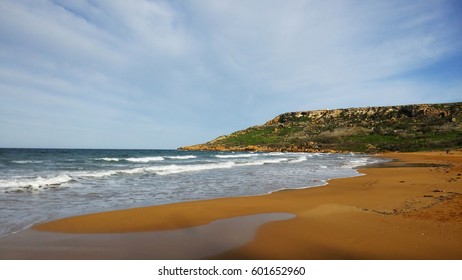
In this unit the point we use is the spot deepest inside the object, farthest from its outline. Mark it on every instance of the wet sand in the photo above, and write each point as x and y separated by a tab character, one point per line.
197	242
410	211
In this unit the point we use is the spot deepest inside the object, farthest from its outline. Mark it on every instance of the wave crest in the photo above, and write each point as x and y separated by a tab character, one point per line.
182	157
133	159
237	156
35	184
144	159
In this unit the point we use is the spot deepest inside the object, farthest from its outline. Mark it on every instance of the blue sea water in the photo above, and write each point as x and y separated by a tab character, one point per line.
42	184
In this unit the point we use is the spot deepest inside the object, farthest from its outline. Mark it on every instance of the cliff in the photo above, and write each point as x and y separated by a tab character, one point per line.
369	129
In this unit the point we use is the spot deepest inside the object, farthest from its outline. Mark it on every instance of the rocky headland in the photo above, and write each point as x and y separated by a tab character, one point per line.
366	130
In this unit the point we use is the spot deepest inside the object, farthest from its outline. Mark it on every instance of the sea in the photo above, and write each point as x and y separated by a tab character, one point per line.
38	185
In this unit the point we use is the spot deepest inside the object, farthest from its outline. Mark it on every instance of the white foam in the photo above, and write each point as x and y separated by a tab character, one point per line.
173	169
133	159
264	161
158	170
362	161
275	154
96	174
181	157
356	162
300	159
108	159
34	184
237	156
144	159
27	161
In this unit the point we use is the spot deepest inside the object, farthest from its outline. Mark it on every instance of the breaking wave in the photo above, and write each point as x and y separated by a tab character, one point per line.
133	159
237	156
144	159
27	161
182	157
33	184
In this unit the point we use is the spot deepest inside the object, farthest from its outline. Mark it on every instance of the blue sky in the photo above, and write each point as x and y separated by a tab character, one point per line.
163	74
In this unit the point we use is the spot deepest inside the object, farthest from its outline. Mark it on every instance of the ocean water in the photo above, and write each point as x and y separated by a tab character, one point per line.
43	184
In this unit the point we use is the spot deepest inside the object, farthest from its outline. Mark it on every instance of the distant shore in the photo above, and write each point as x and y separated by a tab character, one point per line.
405	128
410	208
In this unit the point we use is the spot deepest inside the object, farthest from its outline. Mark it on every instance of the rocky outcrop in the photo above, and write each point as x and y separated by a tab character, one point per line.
369	129
370	115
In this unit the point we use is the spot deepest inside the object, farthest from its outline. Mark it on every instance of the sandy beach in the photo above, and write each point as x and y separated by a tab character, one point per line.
410	208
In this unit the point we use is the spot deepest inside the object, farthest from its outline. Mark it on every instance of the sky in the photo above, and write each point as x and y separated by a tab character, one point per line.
164	74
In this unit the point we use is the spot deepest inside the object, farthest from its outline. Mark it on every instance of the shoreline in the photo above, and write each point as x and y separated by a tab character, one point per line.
404	212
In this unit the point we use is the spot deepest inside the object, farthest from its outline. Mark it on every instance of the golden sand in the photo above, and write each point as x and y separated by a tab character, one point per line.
407	209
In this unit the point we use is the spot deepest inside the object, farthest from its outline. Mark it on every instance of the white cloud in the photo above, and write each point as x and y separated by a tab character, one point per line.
324	43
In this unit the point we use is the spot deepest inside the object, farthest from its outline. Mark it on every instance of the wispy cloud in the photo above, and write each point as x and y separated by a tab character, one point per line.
174	73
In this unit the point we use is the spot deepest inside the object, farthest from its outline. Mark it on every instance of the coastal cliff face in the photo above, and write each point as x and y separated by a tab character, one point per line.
369	129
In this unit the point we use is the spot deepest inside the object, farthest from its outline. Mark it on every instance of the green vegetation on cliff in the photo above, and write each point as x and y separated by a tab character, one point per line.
370	129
